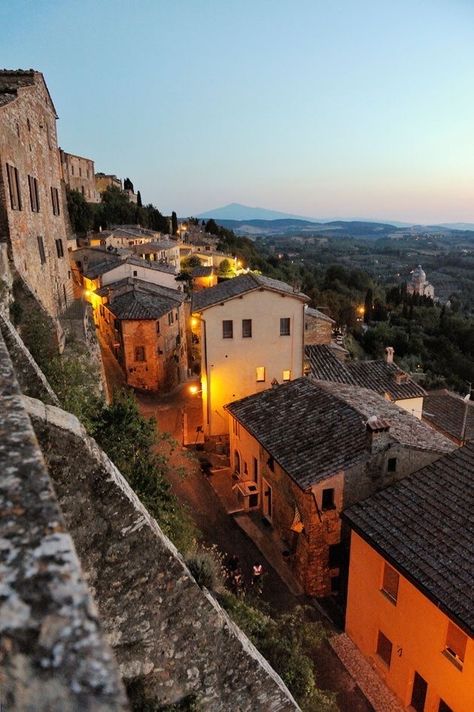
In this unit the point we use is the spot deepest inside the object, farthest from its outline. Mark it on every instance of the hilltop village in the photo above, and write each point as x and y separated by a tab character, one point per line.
352	481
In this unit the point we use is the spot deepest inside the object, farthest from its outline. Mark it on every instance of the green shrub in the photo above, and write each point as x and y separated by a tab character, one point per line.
207	568
287	641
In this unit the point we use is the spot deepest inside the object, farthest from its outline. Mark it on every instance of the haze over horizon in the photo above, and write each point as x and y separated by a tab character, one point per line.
311	108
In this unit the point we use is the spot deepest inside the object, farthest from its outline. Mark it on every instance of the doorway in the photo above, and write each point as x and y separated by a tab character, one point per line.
418	694
267	500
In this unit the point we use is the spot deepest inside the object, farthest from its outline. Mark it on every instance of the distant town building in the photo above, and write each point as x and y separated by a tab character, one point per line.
419	284
78	174
144	326
383	377
99	274
32	202
165	251
410	607
107	180
123	236
313	449
250	332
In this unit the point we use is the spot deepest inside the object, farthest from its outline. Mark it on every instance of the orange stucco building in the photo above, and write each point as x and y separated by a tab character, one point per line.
410	607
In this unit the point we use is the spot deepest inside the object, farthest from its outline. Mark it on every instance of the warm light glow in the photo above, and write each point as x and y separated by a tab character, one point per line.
194	390
194	322
87	293
361	310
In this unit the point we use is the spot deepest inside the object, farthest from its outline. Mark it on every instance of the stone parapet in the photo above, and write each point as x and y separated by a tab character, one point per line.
53	655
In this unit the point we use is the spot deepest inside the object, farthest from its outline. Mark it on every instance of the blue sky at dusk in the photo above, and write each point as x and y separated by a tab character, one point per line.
342	108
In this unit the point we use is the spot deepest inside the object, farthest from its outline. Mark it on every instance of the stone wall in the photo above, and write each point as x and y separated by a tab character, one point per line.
317	330
167	633
53	654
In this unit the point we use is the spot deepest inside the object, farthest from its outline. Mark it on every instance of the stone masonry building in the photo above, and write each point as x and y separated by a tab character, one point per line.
78	174
314	448
33	218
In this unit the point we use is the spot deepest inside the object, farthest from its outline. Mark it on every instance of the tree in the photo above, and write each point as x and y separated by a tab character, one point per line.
211	227
139	199
368	305
80	212
226	269
174	223
189	263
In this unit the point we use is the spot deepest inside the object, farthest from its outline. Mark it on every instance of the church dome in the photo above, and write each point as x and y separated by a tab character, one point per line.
418	274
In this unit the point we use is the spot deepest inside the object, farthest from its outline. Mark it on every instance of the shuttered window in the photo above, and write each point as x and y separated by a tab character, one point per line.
14	187
42	253
384	648
55	201
34	194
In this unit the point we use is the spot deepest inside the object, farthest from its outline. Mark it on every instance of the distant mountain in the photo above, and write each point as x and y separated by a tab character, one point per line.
290	226
236	211
458	226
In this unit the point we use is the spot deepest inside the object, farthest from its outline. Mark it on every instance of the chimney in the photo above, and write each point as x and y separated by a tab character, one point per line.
389	352
378	434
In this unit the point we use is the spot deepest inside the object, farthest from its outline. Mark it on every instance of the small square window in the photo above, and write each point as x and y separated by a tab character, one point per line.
392	464
139	353
260	373
285	326
246	328
227	329
390	582
328	499
287	375
384	648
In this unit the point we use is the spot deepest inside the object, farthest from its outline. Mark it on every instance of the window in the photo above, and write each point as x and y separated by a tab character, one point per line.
392	464
271	463
60	248
384	648
139	353
237	461
418	693
236	427
72	170
41	249
246	328
390	582
170	318
157	327
227	329
328	499
443	707
14	187
55	200
455	645
285	327
287	375
260	373
135	272
34	194
255	469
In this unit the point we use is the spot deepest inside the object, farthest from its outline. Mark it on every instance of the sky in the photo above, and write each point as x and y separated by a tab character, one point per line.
322	108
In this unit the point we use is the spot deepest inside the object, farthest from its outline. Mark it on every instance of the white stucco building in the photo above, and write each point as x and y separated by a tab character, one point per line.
251	333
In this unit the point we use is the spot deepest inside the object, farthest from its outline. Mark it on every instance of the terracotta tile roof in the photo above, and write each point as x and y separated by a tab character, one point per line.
316	314
202	272
446	411
242	284
424	526
379	376
131	300
100	268
155	246
313	431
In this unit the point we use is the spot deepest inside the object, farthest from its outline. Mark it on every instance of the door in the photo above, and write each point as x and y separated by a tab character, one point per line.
418	695
267	500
